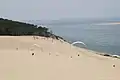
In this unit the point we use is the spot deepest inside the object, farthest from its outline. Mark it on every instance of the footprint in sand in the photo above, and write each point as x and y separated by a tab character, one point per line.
49	53
57	54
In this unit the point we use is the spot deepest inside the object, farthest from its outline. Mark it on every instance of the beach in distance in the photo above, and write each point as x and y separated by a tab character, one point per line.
41	58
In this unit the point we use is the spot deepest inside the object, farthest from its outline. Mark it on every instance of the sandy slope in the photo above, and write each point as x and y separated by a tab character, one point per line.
52	60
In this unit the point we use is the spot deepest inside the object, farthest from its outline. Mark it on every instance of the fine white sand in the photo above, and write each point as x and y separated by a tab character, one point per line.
26	58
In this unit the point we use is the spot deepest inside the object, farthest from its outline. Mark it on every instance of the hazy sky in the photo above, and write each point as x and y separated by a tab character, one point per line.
57	9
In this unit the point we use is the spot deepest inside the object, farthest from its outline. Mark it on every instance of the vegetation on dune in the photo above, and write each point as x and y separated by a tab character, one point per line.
15	28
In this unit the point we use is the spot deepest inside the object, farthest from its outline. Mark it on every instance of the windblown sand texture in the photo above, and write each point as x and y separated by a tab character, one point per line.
28	58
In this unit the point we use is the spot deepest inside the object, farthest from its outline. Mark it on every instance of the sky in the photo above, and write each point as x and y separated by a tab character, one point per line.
58	9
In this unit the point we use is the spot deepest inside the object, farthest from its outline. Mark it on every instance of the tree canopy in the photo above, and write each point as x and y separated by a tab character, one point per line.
16	28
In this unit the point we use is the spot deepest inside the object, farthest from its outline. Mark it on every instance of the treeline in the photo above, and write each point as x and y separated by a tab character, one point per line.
15	28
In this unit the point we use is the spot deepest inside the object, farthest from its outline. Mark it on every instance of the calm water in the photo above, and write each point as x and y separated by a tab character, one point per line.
102	38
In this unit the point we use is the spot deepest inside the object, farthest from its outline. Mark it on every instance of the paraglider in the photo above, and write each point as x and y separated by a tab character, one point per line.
78	42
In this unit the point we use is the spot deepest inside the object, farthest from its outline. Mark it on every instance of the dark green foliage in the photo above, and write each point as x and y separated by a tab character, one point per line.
15	28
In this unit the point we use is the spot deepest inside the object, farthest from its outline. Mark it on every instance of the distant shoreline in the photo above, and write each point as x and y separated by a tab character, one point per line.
109	23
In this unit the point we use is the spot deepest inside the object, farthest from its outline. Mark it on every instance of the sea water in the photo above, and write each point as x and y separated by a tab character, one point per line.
102	38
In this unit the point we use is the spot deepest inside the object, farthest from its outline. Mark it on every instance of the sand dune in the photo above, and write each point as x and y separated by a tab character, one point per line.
26	58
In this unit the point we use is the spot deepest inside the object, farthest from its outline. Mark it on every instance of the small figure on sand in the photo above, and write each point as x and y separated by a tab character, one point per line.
113	65
34	37
33	54
16	48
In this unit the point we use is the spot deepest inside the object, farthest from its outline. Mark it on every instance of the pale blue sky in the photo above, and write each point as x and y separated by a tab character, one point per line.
58	9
